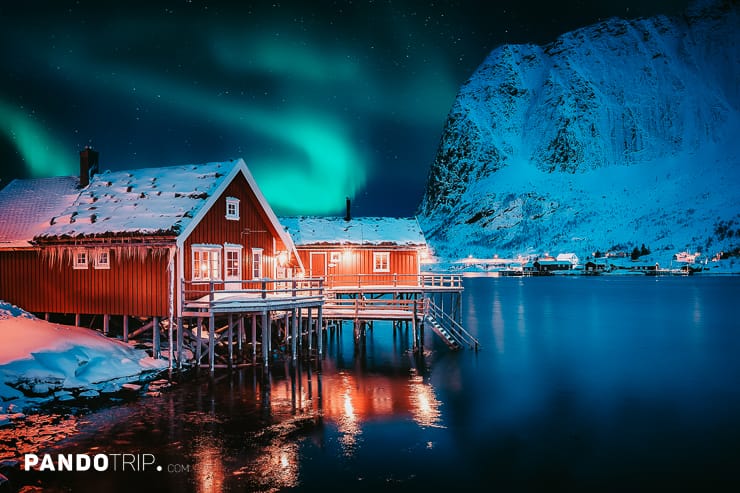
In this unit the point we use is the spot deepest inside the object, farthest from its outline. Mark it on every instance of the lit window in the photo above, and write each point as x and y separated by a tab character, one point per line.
102	259
335	257
206	263
79	261
232	208
381	262
233	263
256	263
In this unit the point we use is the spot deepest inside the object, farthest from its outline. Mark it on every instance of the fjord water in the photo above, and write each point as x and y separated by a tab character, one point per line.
582	384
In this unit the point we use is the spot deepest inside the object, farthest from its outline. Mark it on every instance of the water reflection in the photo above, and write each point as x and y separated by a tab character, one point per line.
209	467
424	404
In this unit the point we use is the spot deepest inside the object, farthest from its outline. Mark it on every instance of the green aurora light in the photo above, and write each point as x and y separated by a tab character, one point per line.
43	155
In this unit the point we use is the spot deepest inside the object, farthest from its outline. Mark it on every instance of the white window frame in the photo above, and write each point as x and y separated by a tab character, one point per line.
213	273
237	249
232	202
77	255
257	271
335	257
378	257
98	262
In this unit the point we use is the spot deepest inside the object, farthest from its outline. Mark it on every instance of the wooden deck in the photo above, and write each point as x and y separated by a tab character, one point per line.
374	309
268	295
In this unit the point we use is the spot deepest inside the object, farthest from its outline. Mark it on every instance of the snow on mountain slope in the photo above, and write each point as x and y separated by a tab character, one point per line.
624	132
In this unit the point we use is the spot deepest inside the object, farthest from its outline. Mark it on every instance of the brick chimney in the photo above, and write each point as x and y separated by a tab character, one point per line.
348	216
88	165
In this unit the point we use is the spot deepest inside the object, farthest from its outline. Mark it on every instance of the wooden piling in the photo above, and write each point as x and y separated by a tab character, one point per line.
198	334
294	338
320	331
156	349
265	338
254	338
211	342
106	324
179	342
230	341
125	328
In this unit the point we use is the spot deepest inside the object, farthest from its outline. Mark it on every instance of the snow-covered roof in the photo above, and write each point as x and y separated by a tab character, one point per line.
145	201
27	206
357	231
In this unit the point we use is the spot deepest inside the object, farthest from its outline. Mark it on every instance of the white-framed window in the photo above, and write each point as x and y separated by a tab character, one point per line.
232	208
381	261
206	263
79	259
335	257
102	259
256	263
232	262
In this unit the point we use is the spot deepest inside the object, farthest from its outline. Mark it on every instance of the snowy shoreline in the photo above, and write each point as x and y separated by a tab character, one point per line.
42	362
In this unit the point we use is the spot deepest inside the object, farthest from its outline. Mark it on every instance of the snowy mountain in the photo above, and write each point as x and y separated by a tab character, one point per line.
621	133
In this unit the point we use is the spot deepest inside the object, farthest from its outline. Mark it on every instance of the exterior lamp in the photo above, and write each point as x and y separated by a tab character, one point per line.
283	258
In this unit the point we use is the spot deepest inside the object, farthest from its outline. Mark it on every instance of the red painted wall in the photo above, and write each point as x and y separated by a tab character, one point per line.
129	287
404	262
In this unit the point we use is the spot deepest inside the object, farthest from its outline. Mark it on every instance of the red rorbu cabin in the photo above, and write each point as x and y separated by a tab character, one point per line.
364	251
129	242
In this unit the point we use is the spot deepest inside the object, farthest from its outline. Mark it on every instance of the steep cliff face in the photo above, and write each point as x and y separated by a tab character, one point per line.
627	131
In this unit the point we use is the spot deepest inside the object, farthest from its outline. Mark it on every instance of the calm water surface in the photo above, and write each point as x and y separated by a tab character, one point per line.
583	384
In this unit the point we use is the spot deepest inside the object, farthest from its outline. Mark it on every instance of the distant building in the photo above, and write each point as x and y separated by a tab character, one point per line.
568	257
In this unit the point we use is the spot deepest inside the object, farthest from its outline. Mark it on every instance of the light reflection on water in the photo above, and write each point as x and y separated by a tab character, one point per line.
582	384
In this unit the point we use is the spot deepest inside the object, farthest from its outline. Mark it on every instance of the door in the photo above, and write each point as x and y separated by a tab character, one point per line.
318	264
233	266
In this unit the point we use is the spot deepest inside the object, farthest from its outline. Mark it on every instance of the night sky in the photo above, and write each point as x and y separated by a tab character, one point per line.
322	99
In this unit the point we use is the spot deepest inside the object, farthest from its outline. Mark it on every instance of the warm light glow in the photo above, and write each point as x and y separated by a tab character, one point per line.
348	424
209	467
424	404
283	258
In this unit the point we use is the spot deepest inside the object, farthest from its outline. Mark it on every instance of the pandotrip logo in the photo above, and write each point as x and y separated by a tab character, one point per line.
99	463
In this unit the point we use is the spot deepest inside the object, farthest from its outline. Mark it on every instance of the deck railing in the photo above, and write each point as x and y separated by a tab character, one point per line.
361	307
430	280
219	293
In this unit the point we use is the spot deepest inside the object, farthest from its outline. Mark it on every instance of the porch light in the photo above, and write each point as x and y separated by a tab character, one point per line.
283	258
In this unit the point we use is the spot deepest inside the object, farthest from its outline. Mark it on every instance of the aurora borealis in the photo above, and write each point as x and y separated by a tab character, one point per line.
322	99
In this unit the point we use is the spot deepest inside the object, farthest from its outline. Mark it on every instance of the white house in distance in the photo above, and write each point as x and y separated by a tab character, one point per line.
568	257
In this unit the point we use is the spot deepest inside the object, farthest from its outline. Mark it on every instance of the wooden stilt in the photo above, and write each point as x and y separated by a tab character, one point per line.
265	339
254	338
125	328
308	323
230	336
156	350
106	323
287	329
211	342
320	331
294	339
198	335
46	316
179	342
77	319
240	335
300	329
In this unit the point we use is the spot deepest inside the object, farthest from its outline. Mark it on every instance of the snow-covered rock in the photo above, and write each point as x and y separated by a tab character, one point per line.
38	358
623	132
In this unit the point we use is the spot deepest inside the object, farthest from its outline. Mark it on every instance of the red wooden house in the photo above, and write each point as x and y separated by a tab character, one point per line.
362	251
126	242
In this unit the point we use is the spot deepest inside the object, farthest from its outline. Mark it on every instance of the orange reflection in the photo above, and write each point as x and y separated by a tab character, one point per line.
209	467
425	406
